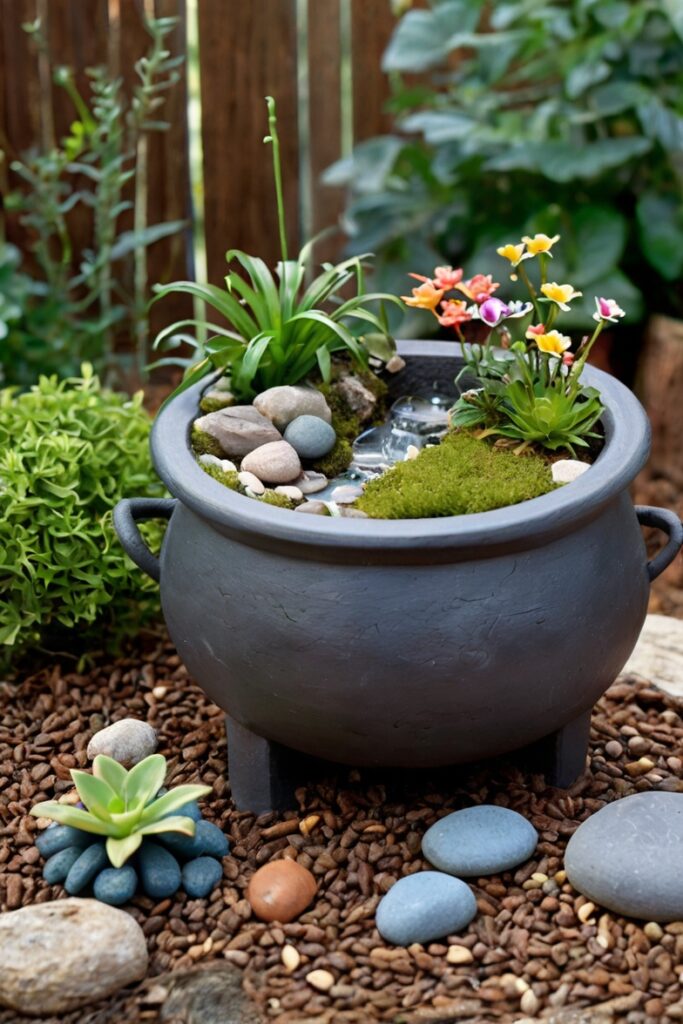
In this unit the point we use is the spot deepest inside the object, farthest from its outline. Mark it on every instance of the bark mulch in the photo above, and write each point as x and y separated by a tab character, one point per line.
538	949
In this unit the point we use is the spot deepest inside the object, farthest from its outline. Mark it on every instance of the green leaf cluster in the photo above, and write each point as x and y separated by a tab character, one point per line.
85	296
525	113
459	476
123	805
68	451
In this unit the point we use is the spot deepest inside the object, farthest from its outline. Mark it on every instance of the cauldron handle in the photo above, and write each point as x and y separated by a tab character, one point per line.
127	514
669	522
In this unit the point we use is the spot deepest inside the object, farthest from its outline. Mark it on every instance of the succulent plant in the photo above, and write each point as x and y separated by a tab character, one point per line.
123	805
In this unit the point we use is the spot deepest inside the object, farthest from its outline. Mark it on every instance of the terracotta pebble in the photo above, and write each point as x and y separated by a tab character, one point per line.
281	890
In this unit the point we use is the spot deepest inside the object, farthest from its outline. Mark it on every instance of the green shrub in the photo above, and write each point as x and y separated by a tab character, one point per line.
460	475
68	451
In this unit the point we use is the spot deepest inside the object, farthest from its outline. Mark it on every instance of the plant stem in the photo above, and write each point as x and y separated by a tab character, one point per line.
277	174
532	291
585	351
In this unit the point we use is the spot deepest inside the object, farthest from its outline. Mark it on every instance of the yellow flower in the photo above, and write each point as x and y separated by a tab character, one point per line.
513	253
539	243
560	293
553	342
426	296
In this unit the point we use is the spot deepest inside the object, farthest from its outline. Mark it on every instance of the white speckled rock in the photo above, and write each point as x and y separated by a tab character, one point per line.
251	481
65	954
127	741
628	856
284	403
289	491
566	470
480	840
274	463
239	429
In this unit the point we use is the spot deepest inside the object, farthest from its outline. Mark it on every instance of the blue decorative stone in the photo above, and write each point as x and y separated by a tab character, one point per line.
425	907
190	810
58	837
159	870
482	840
57	867
310	437
207	839
91	861
201	875
116	886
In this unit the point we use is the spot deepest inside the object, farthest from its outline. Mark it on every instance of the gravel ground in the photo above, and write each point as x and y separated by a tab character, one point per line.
535	950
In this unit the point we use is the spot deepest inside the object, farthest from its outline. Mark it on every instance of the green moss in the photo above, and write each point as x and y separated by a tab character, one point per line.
204	444
336	461
344	420
211	403
279	500
373	383
228	479
460	475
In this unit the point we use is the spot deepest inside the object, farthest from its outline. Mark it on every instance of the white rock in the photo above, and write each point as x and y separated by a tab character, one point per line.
212	460
412	452
566	470
251	481
284	403
127	741
313	508
346	493
290	491
311	482
658	656
275	463
395	364
65	954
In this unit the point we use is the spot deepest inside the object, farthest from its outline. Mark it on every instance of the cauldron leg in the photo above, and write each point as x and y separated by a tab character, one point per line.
260	772
561	756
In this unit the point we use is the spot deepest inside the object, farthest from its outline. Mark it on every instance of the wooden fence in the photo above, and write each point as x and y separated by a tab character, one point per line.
247	50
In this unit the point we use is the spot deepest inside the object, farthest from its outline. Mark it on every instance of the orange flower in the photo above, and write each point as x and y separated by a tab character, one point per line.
454	313
425	296
534	331
479	288
447	277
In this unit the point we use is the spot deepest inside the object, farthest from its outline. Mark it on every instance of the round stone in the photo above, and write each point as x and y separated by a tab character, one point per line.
284	403
207	839
59	837
65	954
425	907
564	471
481	840
627	856
159	870
310	437
274	463
57	867
200	876
313	508
281	890
116	886
91	861
128	741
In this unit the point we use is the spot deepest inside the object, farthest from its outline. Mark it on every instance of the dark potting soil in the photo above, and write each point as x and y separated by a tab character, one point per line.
535	949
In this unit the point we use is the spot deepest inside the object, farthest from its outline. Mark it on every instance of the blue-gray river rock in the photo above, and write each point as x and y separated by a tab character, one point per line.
481	840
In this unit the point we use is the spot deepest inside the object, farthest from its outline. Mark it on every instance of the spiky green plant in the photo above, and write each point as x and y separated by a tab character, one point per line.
123	805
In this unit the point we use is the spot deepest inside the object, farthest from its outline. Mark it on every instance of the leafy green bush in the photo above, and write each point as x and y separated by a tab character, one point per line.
531	117
68	451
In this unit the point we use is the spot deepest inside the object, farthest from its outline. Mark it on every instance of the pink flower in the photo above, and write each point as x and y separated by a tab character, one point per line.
568	358
454	313
447	277
607	309
493	310
479	288
534	331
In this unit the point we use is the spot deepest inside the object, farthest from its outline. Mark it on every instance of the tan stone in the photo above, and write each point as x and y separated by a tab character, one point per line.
658	656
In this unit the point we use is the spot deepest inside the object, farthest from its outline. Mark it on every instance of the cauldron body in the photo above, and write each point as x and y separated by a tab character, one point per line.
414	642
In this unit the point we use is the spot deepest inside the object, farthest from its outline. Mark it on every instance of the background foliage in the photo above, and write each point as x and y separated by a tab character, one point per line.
68	451
527	116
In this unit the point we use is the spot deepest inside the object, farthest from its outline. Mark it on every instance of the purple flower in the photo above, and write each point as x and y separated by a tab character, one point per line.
493	310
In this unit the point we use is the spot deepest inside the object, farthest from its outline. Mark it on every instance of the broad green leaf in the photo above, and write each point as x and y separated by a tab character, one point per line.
65	814
174	800
129	241
111	772
600	237
96	794
674	11
119	850
144	781
368	167
583	76
564	161
660	226
422	38
178	823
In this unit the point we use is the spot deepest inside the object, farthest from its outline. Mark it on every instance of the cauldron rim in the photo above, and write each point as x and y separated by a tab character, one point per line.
626	449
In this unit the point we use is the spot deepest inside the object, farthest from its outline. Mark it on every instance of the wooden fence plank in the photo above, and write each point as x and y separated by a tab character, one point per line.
77	37
371	27
247	53
324	75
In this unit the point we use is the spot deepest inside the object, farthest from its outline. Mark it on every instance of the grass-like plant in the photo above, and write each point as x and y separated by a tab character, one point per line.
280	327
123	805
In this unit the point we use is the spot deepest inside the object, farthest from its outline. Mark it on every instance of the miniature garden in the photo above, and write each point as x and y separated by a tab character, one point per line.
336	685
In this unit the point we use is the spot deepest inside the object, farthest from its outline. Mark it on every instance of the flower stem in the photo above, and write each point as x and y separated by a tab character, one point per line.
277	174
532	291
584	351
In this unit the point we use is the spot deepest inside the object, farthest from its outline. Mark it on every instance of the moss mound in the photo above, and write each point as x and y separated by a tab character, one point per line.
336	461
228	479
460	475
205	444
